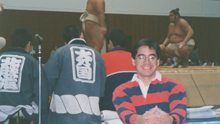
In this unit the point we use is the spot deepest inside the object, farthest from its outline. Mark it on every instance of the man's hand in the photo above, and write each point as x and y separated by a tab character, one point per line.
162	47
181	45
1	7
103	30
153	117
149	117
166	118
140	119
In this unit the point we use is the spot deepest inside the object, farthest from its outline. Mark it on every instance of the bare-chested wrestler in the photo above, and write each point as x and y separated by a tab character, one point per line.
178	42
1	7
93	24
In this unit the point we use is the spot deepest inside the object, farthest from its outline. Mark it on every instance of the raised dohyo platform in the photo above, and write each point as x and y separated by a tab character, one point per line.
202	83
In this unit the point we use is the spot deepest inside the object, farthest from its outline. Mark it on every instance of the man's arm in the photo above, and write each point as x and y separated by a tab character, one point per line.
1	7
188	29
178	103
100	9
167	39
177	106
123	106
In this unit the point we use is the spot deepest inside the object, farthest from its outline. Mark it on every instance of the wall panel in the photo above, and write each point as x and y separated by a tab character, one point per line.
49	25
193	8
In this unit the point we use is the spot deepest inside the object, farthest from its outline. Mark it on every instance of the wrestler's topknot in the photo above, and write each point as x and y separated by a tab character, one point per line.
175	11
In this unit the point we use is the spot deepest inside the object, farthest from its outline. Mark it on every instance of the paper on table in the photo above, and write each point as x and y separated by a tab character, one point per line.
200	109
200	115
109	115
201	112
114	121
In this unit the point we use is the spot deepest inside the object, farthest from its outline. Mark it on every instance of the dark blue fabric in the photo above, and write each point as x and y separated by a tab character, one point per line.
15	49
112	82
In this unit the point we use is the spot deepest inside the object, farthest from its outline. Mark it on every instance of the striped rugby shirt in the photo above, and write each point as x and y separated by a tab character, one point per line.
168	94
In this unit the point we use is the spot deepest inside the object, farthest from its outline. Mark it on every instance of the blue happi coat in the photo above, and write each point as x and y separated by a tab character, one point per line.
76	75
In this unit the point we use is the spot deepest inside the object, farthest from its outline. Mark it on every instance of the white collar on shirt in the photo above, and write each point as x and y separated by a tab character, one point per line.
144	88
76	39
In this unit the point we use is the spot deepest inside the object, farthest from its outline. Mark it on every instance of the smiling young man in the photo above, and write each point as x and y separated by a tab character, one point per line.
149	97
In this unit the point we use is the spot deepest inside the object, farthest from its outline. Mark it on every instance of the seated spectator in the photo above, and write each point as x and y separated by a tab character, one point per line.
161	63
118	66
168	62
19	82
210	62
195	57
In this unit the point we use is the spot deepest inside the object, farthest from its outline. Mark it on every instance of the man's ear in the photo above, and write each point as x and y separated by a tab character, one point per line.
111	44
158	62
133	62
29	43
82	36
28	47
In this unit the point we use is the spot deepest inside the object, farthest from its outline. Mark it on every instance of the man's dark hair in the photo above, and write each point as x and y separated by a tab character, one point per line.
20	37
118	38
70	32
175	11
209	60
146	42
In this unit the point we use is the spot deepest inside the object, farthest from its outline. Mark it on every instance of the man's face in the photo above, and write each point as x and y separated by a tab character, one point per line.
172	17
169	60
146	62
209	63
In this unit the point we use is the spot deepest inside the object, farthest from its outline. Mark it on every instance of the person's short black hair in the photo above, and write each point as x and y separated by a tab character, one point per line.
20	37
195	48
118	38
55	46
146	42
70	32
175	11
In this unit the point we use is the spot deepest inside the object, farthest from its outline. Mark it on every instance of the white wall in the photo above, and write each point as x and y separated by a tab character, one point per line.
196	8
